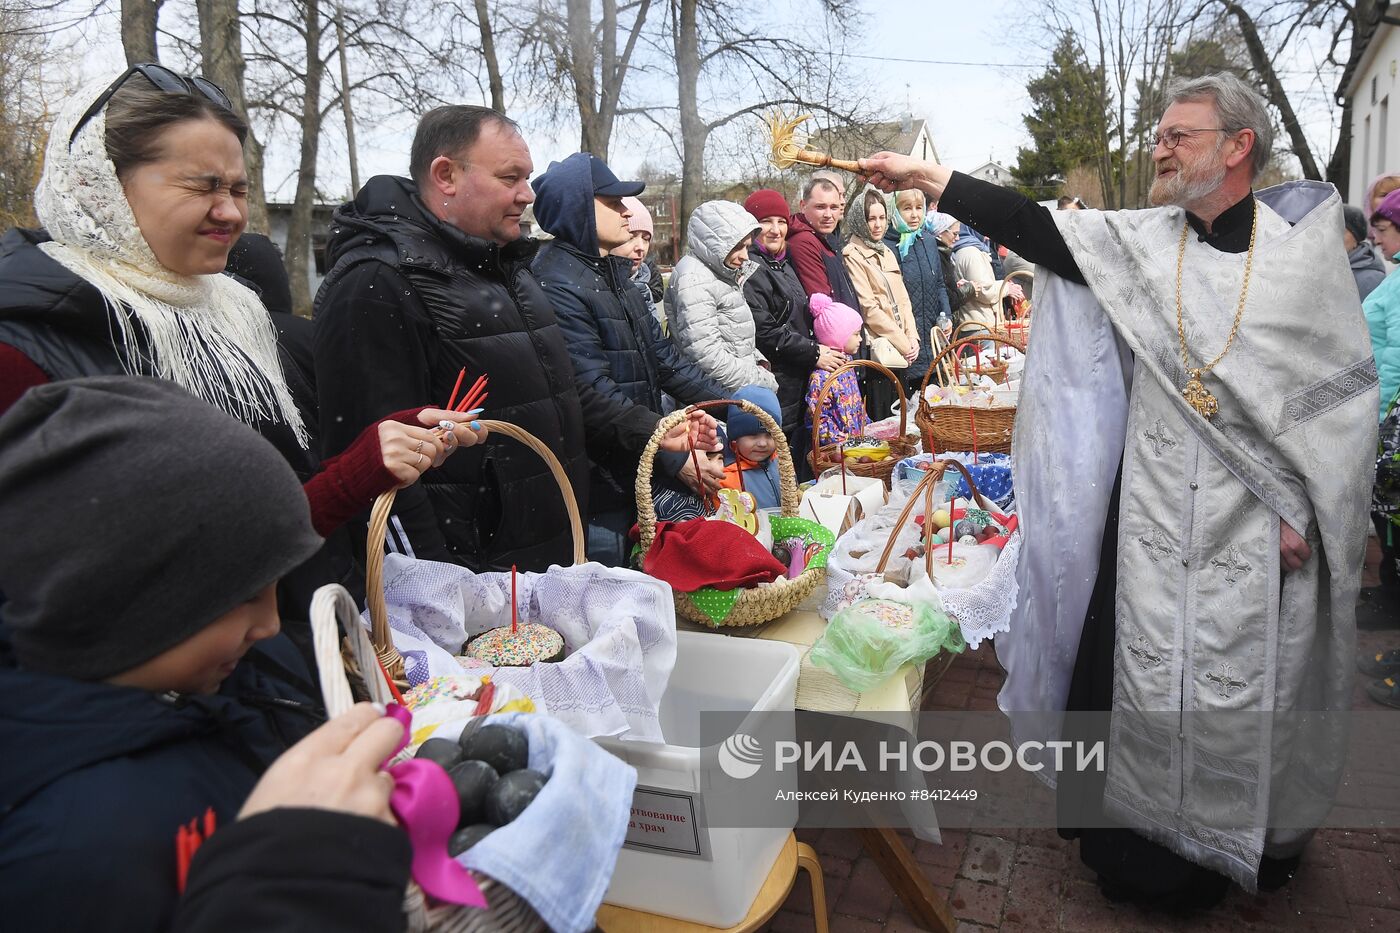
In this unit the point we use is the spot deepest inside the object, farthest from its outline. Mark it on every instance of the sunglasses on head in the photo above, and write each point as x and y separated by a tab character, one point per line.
171	82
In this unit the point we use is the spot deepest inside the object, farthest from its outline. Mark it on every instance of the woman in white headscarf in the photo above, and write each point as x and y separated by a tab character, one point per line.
143	194
946	229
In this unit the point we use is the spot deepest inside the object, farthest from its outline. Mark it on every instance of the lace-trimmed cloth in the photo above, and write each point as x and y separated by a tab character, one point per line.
206	333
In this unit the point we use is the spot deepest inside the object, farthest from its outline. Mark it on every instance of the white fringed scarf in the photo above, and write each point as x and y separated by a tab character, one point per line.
206	333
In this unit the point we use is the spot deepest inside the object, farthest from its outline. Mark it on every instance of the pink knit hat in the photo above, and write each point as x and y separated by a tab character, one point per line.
833	322
640	221
1388	209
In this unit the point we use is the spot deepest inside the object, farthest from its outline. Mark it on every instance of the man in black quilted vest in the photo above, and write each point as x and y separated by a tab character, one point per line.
430	274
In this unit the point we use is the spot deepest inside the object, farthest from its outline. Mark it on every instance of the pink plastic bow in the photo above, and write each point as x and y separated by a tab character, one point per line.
425	803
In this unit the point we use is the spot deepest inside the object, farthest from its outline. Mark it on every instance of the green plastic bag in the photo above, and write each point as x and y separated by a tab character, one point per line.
867	642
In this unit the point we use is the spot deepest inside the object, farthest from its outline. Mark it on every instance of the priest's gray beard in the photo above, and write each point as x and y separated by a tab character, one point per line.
1191	183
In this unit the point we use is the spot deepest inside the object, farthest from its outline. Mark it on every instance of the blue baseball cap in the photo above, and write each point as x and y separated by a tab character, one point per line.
607	184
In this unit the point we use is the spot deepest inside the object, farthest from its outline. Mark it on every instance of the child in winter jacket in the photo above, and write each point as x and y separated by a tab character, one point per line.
750	461
145	687
843	415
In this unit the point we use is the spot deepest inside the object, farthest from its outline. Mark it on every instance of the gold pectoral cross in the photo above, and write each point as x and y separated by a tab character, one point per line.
1199	397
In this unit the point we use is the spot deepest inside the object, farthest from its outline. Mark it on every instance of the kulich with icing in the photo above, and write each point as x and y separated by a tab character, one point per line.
531	642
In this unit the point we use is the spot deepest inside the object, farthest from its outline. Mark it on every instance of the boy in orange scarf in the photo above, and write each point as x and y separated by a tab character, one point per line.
750	463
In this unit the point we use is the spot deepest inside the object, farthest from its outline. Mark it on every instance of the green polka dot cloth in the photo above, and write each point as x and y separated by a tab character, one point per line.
815	538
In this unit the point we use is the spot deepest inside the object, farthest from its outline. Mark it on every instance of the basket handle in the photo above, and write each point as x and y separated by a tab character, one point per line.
379	523
926	486
646	505
953	348
938	342
827	385
1001	295
334	610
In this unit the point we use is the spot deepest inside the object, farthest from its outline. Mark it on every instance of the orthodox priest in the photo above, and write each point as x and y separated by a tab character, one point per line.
1194	451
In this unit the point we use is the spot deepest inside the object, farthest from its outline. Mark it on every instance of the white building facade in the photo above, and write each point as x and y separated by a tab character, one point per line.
1375	131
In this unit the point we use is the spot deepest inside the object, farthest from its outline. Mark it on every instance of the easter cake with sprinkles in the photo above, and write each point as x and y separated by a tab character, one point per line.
528	643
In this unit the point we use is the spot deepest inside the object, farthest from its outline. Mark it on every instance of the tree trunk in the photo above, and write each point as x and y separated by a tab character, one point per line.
139	19
1264	66
580	32
299	226
221	42
345	101
694	132
1339	166
488	52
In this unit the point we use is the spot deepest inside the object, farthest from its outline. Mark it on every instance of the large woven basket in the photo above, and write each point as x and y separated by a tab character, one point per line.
826	456
755	605
378	525
959	427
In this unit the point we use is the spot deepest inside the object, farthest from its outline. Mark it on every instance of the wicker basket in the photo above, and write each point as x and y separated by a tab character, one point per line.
379	522
333	612
756	605
972	331
1016	330
938	665
826	456
925	487
959	427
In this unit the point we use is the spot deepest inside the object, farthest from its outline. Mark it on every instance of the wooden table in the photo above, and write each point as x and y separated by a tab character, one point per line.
770	898
819	690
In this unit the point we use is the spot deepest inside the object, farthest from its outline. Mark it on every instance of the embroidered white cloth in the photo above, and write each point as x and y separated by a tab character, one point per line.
619	629
981	610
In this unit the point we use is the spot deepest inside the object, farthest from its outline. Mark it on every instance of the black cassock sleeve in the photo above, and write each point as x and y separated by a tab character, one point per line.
1011	219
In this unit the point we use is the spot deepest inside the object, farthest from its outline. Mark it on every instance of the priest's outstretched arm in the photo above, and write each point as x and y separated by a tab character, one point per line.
1007	216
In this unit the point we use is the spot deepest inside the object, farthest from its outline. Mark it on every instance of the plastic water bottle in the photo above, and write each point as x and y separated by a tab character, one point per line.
945	323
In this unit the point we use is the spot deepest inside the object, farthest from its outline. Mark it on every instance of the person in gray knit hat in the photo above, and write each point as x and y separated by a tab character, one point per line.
1366	265
133	517
142	534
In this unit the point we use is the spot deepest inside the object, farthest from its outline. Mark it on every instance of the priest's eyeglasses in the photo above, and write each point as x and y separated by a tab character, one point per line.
1172	138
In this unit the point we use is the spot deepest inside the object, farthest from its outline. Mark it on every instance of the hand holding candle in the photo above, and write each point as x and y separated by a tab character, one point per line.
699	431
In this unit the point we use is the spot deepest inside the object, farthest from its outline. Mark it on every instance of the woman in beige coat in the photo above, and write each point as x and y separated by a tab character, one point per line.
884	302
974	264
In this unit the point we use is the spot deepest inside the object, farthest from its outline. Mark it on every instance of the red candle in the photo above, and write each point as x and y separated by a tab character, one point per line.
952	509
972	416
512	599
843	474
453	399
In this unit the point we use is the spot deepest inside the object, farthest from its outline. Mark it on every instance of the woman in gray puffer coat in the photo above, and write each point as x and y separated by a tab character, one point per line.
710	321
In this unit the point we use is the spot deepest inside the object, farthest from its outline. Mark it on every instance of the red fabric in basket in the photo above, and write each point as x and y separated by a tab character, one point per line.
698	553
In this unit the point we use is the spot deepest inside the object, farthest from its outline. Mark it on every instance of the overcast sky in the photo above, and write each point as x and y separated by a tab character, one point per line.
962	66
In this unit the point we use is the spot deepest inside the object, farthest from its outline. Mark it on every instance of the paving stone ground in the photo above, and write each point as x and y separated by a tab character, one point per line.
1031	880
